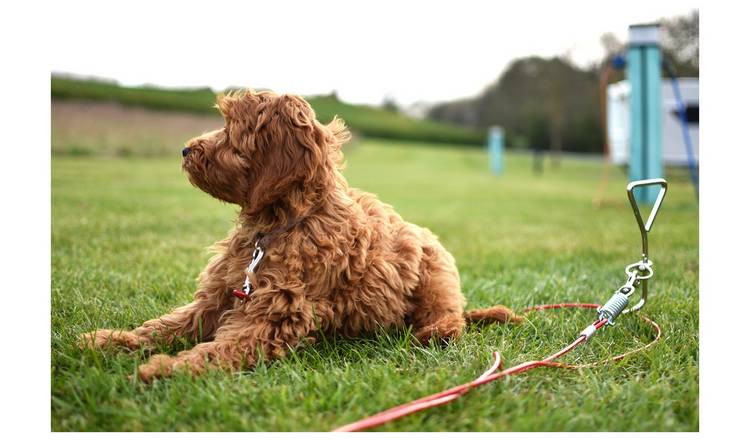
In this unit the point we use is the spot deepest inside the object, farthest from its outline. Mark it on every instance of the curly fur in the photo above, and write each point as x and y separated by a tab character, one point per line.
350	264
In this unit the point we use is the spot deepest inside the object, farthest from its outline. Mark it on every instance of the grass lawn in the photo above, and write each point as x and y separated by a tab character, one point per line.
129	238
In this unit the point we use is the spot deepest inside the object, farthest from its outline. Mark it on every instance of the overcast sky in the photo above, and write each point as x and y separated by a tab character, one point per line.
409	50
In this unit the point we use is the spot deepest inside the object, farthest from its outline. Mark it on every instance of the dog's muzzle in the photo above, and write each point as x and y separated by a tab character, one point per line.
185	151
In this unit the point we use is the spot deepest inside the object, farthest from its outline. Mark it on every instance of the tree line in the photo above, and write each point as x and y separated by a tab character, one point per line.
550	103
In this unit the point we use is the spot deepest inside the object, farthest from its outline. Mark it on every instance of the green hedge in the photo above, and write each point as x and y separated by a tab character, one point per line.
364	120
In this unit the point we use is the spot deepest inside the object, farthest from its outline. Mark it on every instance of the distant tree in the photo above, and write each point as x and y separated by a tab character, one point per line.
535	100
611	44
552	103
389	104
462	112
680	43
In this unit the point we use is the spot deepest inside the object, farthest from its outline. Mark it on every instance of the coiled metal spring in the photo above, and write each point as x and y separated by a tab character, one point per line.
612	309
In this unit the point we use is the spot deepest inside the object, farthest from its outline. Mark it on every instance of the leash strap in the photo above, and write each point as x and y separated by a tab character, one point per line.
492	374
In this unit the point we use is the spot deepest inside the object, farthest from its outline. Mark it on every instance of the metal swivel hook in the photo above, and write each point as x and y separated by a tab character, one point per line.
639	272
646	265
645	228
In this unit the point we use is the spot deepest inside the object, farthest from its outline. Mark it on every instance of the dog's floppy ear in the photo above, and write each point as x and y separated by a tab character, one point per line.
240	110
296	164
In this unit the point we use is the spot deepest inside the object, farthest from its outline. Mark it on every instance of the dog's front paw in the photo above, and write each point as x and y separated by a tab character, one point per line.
162	365
193	362
158	365
111	338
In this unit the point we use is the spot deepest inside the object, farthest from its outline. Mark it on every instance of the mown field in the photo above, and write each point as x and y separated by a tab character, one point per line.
129	238
86	128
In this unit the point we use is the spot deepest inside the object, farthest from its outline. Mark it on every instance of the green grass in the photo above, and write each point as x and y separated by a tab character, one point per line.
129	238
365	120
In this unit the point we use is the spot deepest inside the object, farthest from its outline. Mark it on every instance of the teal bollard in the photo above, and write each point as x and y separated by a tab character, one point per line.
644	75
495	145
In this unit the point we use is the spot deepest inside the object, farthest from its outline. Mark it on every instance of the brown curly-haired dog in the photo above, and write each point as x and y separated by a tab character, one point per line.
337	260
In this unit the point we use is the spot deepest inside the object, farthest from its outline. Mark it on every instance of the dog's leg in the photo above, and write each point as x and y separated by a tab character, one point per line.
267	328
112	338
438	311
197	320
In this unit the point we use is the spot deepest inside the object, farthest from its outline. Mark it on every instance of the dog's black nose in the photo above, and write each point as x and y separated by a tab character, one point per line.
185	151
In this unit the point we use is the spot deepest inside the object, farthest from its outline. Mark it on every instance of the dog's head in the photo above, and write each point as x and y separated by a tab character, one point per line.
271	150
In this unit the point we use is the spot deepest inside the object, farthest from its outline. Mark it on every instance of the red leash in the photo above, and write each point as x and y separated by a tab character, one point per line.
491	374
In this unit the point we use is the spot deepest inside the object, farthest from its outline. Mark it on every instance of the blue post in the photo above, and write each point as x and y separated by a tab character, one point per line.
495	145
644	75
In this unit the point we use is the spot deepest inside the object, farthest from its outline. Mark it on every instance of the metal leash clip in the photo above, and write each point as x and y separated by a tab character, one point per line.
639	272
247	287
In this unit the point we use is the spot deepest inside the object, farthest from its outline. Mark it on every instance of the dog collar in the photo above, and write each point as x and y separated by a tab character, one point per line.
262	242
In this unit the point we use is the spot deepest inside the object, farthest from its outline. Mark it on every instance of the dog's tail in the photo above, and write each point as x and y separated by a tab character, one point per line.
494	314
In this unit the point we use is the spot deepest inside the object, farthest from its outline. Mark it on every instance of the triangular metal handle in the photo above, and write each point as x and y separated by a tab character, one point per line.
646	227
